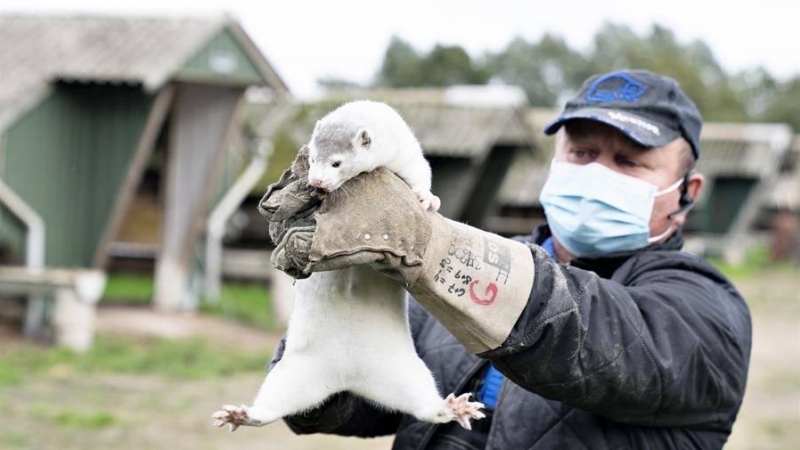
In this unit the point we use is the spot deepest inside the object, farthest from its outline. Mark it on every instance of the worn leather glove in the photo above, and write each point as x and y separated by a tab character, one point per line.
289	206
474	282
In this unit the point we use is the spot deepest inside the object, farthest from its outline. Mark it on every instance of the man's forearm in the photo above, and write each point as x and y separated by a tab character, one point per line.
634	354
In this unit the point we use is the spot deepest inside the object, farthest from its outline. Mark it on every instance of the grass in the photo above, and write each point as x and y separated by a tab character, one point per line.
756	263
75	409
129	289
15	440
92	421
763	282
248	303
778	428
53	398
174	358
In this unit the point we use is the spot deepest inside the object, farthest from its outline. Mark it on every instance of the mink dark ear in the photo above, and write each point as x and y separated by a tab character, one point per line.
363	139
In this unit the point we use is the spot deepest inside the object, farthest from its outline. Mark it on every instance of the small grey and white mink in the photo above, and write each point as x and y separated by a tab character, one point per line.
349	329
361	136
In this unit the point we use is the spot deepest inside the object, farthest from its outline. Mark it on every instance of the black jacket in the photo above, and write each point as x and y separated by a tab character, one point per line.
645	350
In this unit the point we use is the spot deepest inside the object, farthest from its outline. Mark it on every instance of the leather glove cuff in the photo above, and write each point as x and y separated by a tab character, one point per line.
474	282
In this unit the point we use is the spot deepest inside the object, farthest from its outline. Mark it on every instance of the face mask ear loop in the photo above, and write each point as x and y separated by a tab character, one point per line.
660	236
687	202
671	188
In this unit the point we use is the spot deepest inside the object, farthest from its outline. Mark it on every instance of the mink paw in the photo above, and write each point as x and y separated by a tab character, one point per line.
428	200
234	417
462	410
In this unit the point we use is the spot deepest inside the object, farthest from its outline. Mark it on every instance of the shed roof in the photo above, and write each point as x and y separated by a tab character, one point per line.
444	126
36	50
786	193
796	143
527	174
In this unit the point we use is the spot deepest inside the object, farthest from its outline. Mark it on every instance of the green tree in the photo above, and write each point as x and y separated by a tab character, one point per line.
693	65
785	106
338	84
402	66
546	70
550	71
758	89
443	66
769	99
449	65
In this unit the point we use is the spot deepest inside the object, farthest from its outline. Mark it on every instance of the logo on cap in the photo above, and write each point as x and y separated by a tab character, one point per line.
635	121
615	86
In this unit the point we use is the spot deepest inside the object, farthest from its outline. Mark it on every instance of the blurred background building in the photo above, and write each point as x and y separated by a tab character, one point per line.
134	150
142	145
117	135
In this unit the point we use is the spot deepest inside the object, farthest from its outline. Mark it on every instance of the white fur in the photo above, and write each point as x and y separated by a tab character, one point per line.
393	146
349	332
349	328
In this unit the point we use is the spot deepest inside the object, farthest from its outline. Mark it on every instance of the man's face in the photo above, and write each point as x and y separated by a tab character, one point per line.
586	141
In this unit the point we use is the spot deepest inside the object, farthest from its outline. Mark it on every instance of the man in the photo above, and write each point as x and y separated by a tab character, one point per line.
594	332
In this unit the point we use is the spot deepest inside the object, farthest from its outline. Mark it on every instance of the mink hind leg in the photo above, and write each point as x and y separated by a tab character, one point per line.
294	385
404	384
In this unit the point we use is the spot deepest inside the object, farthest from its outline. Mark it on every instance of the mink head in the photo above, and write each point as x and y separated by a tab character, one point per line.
337	152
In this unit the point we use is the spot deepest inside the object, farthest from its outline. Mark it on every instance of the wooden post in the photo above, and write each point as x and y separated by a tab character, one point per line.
202	118
73	320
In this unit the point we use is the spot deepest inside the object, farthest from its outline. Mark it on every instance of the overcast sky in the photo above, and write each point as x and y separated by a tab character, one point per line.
306	40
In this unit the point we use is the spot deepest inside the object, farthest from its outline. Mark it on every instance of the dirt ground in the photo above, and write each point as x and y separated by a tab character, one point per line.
153	412
770	416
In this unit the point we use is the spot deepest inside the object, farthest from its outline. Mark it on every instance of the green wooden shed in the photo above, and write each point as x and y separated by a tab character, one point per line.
87	103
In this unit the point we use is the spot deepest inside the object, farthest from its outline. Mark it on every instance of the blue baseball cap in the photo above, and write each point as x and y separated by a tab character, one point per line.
648	108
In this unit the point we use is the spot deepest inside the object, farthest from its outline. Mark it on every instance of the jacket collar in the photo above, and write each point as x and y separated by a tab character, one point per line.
606	265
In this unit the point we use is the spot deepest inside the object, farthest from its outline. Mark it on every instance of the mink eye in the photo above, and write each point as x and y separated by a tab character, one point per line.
336	164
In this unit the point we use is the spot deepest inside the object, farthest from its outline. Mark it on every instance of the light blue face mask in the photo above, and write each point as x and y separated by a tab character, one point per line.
594	211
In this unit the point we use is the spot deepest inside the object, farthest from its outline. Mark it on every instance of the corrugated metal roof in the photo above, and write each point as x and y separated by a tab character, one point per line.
786	193
787	188
456	131
36	50
443	129
528	172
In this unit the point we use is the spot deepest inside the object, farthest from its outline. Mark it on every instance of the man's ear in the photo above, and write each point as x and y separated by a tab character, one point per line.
696	183
694	187
362	139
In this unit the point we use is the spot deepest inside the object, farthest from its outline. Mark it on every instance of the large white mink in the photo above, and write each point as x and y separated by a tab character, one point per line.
361	136
349	328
